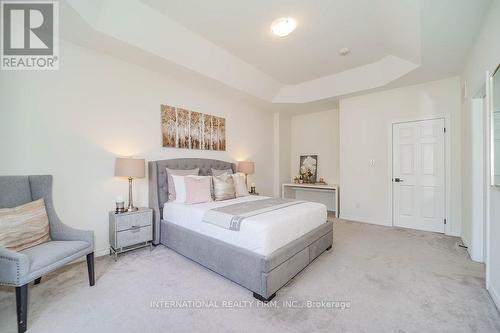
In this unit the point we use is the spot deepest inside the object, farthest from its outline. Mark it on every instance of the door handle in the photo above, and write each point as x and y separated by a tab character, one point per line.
398	180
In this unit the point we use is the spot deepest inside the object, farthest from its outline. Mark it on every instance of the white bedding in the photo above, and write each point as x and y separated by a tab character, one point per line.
262	234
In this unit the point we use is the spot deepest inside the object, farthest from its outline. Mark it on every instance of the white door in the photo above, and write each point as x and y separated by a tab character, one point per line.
419	175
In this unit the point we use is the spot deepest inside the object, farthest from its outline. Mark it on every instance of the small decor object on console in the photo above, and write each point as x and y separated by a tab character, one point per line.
308	168
252	189
321	181
120	205
131	168
186	129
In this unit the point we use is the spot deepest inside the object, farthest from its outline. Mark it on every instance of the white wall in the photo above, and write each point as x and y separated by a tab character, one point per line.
316	133
365	123
473	175
485	56
72	123
282	137
467	164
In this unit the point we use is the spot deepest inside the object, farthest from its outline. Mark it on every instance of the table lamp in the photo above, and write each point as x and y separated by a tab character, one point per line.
131	168
247	168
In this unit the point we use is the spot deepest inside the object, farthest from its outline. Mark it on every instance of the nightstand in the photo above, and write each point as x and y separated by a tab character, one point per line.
129	231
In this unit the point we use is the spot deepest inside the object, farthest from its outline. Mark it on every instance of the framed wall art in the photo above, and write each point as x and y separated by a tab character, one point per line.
187	129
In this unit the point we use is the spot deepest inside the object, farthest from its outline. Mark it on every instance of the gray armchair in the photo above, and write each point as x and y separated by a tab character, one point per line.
18	269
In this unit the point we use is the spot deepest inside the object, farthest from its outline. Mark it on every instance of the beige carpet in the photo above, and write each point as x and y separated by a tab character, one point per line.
393	280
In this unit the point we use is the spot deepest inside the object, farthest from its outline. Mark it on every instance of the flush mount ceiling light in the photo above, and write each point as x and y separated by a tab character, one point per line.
283	26
344	51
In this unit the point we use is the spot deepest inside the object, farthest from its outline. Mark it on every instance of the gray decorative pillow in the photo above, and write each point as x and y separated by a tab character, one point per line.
217	172
170	180
224	187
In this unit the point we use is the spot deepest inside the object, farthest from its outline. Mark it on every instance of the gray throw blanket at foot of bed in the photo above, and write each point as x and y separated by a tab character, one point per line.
231	216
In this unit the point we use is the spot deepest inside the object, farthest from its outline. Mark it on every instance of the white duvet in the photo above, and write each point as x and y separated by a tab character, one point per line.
262	234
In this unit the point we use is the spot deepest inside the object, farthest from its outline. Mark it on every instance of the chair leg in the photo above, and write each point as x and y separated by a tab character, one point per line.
37	281
22	308
90	267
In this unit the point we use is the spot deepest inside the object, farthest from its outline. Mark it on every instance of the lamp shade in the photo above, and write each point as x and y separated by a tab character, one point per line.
246	167
130	167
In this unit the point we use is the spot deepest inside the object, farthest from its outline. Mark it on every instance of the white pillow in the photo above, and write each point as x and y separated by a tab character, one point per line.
180	188
240	186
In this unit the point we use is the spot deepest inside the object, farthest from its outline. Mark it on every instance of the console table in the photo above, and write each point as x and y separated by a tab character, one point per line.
325	194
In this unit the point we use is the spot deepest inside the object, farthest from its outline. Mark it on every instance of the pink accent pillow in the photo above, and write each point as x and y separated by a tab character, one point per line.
198	189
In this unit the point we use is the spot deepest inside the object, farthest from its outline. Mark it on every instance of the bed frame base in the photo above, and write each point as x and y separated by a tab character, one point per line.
263	299
263	275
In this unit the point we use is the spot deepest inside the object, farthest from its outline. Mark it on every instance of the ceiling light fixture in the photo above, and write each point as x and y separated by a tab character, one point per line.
283	26
344	51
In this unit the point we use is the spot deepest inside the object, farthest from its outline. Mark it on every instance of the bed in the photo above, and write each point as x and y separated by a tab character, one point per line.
263	256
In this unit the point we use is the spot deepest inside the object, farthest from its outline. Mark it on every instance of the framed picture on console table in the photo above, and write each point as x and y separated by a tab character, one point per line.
308	168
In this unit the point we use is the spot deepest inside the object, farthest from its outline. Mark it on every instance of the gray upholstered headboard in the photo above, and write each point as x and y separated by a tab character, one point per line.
158	189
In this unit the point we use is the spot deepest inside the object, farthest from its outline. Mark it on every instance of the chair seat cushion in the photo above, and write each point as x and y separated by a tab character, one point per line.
51	252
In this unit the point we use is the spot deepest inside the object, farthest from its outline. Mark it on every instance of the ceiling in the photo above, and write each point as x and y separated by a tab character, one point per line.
312	51
392	42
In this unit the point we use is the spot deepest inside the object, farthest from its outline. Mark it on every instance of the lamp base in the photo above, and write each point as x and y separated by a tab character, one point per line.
132	209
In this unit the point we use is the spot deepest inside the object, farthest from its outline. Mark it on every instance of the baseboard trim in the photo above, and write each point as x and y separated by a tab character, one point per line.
377	222
469	250
364	220
494	296
101	252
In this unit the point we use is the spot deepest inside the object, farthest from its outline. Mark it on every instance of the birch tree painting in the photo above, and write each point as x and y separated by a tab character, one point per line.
182	128
186	129
195	130
169	126
207	132
221	133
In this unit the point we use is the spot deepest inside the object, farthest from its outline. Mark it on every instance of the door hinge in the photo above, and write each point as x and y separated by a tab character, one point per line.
444	129
444	221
